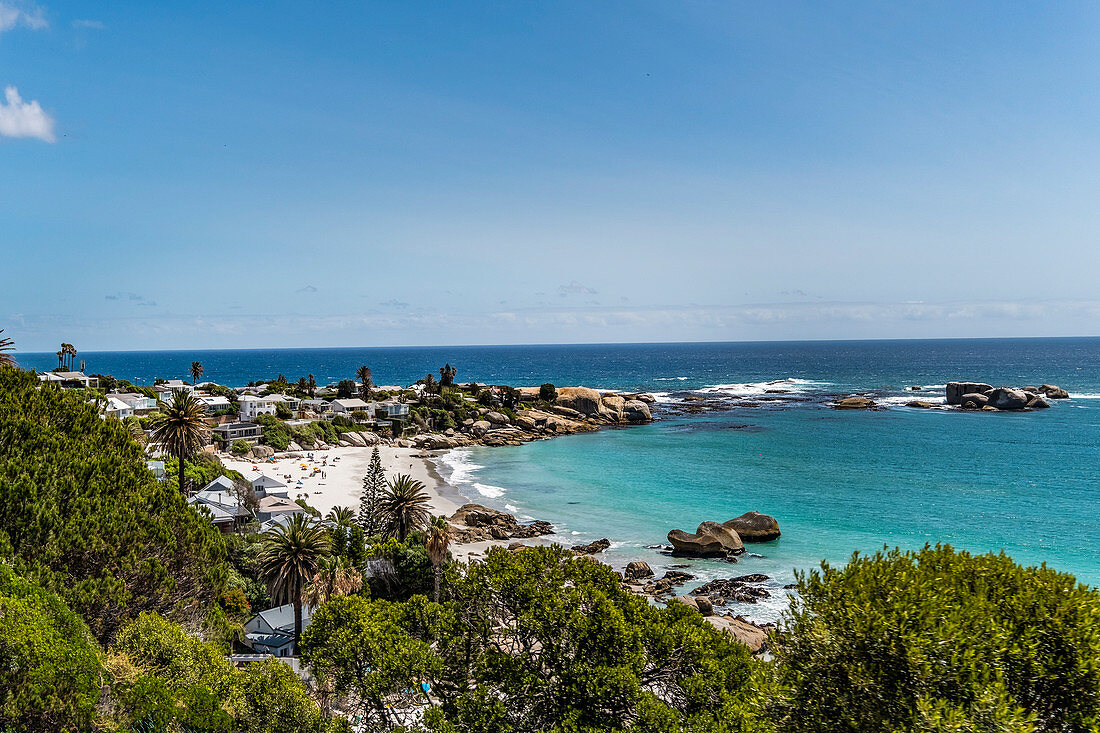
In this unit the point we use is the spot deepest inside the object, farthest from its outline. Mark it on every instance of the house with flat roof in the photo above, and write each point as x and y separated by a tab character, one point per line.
348	406
253	405
69	380
234	431
139	403
292	402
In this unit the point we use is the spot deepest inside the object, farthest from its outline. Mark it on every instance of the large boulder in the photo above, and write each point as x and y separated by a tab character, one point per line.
854	403
754	527
710	540
1006	398
637	570
582	399
1037	403
956	390
748	634
611	407
593	547
354	438
974	401
1053	391
294	447
496	418
481	427
262	451
636	411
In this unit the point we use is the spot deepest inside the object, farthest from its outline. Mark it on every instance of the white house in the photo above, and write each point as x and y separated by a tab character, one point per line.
69	380
272	631
318	406
290	401
265	485
117	408
214	403
251	406
166	390
139	403
392	409
346	407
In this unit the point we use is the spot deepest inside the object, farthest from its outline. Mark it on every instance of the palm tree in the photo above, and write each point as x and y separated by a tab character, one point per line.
447	375
429	384
289	559
437	544
196	370
341	516
60	356
7	346
311	383
404	506
335	576
181	428
363	374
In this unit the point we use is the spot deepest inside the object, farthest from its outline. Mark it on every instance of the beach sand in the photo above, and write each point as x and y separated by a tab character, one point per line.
342	482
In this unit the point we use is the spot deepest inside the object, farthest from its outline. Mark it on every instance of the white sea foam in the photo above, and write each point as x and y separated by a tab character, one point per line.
511	508
901	400
493	492
753	389
461	465
671	379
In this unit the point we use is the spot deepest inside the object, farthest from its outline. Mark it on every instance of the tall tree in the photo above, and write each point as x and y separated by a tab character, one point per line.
7	346
60	357
366	383
404	506
447	375
437	543
289	560
335	576
374	485
181	428
429	384
196	370
311	385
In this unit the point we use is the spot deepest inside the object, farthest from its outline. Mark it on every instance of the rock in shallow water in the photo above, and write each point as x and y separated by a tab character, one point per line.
710	540
754	527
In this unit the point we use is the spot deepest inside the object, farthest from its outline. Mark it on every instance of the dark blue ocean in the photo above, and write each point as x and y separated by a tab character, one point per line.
838	482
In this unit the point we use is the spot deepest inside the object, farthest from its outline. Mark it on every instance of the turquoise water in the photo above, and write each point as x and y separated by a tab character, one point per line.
836	481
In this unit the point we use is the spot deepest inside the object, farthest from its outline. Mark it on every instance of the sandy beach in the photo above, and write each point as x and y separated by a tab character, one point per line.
334	477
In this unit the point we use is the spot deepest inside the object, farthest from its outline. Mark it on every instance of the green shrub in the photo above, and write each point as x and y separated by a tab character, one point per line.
548	392
49	666
282	411
939	640
241	447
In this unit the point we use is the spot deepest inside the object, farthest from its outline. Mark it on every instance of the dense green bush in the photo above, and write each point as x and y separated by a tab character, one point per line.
84	518
940	640
199	470
548	392
240	448
538	641
49	666
283	412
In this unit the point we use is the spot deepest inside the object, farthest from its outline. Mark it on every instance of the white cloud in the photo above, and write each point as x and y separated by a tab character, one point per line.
24	119
95	25
575	288
25	14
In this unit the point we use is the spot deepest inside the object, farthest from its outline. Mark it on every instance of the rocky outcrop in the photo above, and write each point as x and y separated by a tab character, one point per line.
921	404
1006	398
749	634
734	590
710	540
854	403
583	400
956	390
262	451
637	570
592	548
754	527
984	397
637	411
483	523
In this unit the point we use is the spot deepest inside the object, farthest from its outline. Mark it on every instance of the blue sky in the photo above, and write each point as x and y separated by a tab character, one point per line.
272	174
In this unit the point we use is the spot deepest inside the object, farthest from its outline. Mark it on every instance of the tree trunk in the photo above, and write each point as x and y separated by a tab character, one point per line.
182	491
297	617
437	574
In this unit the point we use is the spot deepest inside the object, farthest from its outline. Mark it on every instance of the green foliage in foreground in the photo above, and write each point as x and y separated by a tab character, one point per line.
940	640
536	641
85	519
49	668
